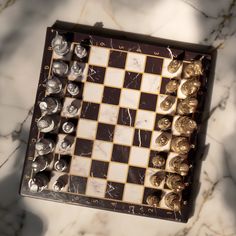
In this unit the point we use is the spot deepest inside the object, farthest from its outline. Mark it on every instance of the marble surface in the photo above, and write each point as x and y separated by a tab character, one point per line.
22	31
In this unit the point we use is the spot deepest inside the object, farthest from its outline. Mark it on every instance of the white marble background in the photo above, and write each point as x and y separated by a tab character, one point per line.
22	30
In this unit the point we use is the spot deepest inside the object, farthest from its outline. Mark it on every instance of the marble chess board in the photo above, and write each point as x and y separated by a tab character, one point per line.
106	160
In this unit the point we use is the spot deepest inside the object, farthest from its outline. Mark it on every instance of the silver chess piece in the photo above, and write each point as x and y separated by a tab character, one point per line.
80	51
44	146
46	124
173	201
38	183
178	165
59	45
175	182
40	163
76	69
53	86
72	110
65	145
72	89
153	200
60	165
60	68
60	183
50	105
68	127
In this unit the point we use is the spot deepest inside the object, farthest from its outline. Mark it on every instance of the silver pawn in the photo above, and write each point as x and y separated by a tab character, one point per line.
68	127
59	45
60	165
72	110
49	106
44	146
46	124
59	68
38	183
73	89
65	145
53	85
40	163
76	69
80	51
60	183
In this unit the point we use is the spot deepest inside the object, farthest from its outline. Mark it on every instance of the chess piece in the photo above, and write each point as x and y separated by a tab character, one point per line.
174	65
59	68
59	184
80	51
164	124
187	106
76	69
44	146
158	161
185	125
60	45
175	183
193	69
46	124
190	87
65	145
162	139
72	110
72	89
53	86
153	200
40	163
50	105
38	182
167	103
172	86
68	127
157	178
180	145
178	165
60	165
173	201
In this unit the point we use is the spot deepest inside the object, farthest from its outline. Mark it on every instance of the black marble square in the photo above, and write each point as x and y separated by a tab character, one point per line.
111	95
148	101
105	132
160	116
117	59
126	116
120	153
136	175
155	153
151	191
154	65
114	190
99	169
142	138
96	74
89	110
77	184
132	80
83	147
164	82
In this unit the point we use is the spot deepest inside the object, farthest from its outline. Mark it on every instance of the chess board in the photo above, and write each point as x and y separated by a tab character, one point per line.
120	92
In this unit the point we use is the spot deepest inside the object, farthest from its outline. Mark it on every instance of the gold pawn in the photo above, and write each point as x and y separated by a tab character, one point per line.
162	139
172	86
167	103
153	200
174	65
158	161
164	124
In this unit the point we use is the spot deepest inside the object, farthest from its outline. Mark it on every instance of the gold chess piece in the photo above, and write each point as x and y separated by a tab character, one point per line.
174	65
153	200
157	178
158	161
193	69
162	139
164	124
175	182
185	125
178	165
190	87
173	201
187	106
172	86
180	145
167	103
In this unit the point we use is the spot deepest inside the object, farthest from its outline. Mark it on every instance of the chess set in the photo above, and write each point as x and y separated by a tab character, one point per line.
116	122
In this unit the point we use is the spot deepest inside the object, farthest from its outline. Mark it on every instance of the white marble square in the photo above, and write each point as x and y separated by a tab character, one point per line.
160	99
86	129
129	98
151	83
133	193
157	147
166	73
145	120
135	62
99	56
108	113
150	172
139	156
123	135
102	150
67	103
117	172
96	187
65	138
93	92
114	77
80	166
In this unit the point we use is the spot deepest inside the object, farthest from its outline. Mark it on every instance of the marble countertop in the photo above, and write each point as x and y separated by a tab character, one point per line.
22	31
